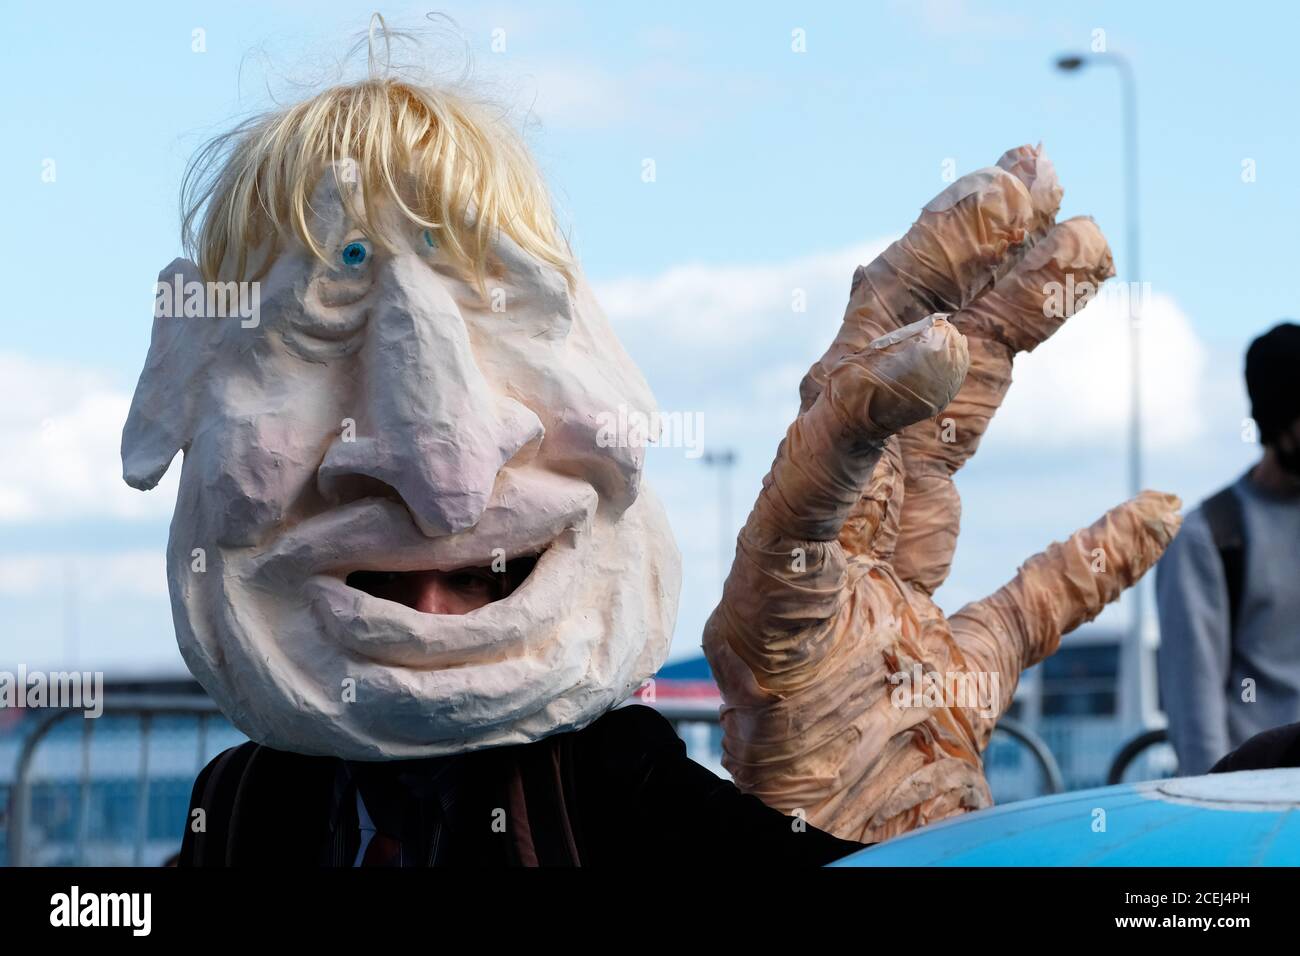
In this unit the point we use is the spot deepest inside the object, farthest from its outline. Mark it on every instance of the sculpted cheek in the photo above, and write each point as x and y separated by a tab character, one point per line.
588	406
252	471
589	443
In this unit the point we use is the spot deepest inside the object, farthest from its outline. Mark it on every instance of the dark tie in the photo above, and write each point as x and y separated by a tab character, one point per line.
383	851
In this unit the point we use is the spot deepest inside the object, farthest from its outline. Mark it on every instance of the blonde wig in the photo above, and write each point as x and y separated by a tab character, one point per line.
450	164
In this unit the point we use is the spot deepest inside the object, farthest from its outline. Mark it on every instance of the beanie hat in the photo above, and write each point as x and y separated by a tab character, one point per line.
1273	379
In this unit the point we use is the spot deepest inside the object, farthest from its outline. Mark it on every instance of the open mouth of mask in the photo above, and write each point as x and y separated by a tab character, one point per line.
457	591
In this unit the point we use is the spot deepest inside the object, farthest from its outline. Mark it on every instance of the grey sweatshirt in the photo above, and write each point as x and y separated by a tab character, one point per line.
1204	671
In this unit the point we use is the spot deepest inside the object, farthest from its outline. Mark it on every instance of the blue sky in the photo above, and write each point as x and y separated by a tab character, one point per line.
775	170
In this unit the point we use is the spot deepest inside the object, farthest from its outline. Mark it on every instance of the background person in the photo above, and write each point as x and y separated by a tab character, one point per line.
1228	588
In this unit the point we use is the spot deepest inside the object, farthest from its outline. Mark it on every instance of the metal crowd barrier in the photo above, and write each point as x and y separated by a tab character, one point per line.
1041	753
1132	750
146	708
1053	780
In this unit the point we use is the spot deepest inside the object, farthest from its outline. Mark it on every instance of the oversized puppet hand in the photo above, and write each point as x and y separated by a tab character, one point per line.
827	612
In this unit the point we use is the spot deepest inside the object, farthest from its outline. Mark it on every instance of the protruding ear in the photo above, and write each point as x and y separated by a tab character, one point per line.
161	420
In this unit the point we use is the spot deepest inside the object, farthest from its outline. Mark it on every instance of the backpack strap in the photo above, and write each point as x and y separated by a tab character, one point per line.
260	807
1223	514
214	795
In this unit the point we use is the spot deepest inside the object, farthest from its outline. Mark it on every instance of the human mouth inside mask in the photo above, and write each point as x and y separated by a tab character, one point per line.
457	591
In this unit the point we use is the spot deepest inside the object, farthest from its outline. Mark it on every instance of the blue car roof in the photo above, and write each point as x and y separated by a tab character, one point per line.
1233	819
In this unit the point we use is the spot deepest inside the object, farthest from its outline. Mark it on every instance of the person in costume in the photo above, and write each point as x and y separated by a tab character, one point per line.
408	563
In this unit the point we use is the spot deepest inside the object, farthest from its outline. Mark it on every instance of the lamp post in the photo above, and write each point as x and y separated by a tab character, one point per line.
1071	63
1128	88
724	460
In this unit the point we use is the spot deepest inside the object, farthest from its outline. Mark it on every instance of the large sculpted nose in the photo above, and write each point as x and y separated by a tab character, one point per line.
430	426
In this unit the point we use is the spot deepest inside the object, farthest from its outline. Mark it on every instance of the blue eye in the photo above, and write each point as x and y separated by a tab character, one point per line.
428	239
354	253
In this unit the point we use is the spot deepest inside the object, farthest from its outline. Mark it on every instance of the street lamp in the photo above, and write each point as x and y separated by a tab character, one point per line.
724	460
1072	63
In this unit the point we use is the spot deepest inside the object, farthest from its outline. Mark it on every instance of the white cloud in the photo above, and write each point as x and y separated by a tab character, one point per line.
578	95
712	309
1074	389
60	437
960	18
664	90
92	576
735	323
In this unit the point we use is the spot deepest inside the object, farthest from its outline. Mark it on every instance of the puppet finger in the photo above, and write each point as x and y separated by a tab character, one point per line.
1030	165
1053	280
964	238
788	581
1067	585
830	450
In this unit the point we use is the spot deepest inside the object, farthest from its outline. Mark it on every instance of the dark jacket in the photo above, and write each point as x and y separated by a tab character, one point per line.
622	791
1278	747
